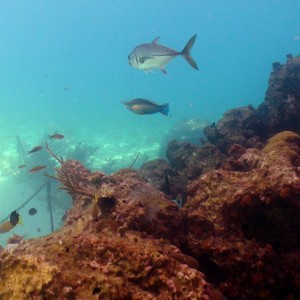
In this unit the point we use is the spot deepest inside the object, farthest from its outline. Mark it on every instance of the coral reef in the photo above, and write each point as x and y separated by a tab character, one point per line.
236	237
241	213
113	246
75	265
243	225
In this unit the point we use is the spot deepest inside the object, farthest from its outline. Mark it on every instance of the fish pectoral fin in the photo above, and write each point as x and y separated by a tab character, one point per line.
155	41
144	58
163	70
148	71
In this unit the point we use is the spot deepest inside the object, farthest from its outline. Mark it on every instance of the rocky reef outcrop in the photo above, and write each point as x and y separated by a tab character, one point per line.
113	246
243	222
241	202
281	108
236	236
280	111
241	126
124	239
244	126
186	161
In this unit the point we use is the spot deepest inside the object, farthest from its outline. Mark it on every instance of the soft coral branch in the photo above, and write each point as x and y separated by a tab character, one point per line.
67	176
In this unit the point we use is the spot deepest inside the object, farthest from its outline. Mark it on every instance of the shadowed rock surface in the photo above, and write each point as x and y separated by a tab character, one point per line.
243	224
280	111
281	108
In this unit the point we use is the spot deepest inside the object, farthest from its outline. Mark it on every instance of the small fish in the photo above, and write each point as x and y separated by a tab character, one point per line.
95	208
56	136
37	169
152	55
35	149
15	239
14	219
22	166
146	107
32	211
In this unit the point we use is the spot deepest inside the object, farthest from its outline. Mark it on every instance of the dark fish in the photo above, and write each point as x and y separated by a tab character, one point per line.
152	55
37	169
56	136
14	219
35	149
32	211
22	166
146	107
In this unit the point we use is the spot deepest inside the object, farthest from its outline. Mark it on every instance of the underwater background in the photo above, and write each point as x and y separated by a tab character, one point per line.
64	68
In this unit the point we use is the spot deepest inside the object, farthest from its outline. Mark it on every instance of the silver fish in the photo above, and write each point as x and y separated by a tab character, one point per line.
152	55
146	107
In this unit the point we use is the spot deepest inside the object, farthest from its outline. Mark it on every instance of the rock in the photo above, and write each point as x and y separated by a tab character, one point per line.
155	172
238	126
241	222
250	127
118	242
189	161
124	239
281	107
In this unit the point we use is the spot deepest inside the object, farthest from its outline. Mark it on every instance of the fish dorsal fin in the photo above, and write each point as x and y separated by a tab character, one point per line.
155	41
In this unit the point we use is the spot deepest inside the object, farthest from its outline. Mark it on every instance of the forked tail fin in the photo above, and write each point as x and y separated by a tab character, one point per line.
164	109
186	52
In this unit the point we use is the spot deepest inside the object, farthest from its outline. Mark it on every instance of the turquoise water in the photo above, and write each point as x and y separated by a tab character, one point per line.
64	68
